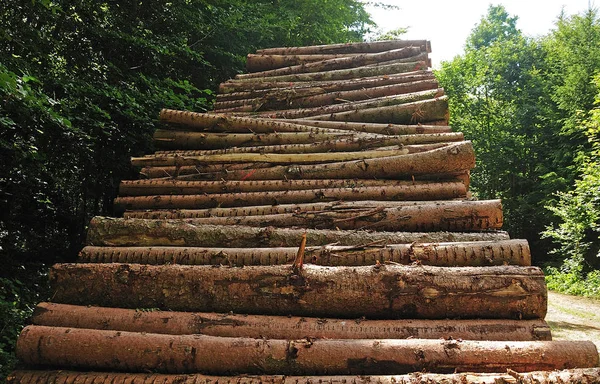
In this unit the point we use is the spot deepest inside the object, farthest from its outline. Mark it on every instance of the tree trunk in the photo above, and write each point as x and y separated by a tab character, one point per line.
235	90
462	216
282	102
203	170
342	145
206	140
371	47
376	128
380	102
466	254
376	292
259	62
105	231
179	187
341	74
339	63
580	376
410	113
283	327
418	191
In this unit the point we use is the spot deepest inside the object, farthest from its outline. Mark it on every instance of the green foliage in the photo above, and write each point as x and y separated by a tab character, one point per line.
572	283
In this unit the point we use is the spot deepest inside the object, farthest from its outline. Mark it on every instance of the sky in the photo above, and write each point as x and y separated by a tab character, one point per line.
448	23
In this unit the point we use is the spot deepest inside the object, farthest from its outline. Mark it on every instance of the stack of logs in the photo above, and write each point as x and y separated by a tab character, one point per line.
317	228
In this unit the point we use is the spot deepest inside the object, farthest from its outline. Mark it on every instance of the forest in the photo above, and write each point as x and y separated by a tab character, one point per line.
82	83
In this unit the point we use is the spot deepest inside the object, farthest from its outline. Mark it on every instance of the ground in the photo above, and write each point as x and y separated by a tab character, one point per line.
574	318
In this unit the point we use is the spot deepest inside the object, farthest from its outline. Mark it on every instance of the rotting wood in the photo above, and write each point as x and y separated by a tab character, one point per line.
137	352
370	47
106	231
462	254
394	291
580	376
339	63
417	191
461	216
283	327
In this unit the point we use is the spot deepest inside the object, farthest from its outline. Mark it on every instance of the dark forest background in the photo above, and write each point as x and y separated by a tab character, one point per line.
82	82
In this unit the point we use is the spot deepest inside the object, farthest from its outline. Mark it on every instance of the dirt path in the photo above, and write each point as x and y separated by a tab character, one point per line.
574	318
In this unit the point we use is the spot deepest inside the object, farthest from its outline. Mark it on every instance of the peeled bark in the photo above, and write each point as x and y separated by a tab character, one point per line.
283	327
370	47
465	254
341	145
418	191
266	103
379	102
105	231
377	128
338	63
342	74
393	291
579	375
179	187
235	90
209	140
462	216
410	113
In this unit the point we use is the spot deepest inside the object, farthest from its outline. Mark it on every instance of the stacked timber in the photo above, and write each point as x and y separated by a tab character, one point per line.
317	227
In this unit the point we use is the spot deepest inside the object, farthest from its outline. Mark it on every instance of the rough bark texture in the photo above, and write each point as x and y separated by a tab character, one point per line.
371	47
461	216
580	376
283	327
105	231
480	253
394	291
377	128
262	62
421	191
137	352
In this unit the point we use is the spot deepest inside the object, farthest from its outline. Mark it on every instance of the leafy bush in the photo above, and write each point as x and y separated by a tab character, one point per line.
572	283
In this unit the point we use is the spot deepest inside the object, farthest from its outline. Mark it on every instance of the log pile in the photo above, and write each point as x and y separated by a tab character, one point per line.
316	227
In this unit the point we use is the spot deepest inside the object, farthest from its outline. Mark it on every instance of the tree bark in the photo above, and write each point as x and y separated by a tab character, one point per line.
207	140
376	128
338	63
341	145
418	191
465	254
341	74
379	102
409	113
203	170
283	327
345	48
105	231
462	216
580	376
376	292
235	90
260	62
331	98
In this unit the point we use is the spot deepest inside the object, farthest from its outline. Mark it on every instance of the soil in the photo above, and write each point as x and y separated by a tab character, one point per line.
574	318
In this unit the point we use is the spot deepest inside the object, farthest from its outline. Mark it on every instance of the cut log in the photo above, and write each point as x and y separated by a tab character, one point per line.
209	140
418	191
377	128
179	187
477	253
258	62
410	113
283	102
345	48
461	216
235	90
453	158
105	231
579	375
202	170
342	74
338	63
376	292
283	327
379	102
341	145
138	352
